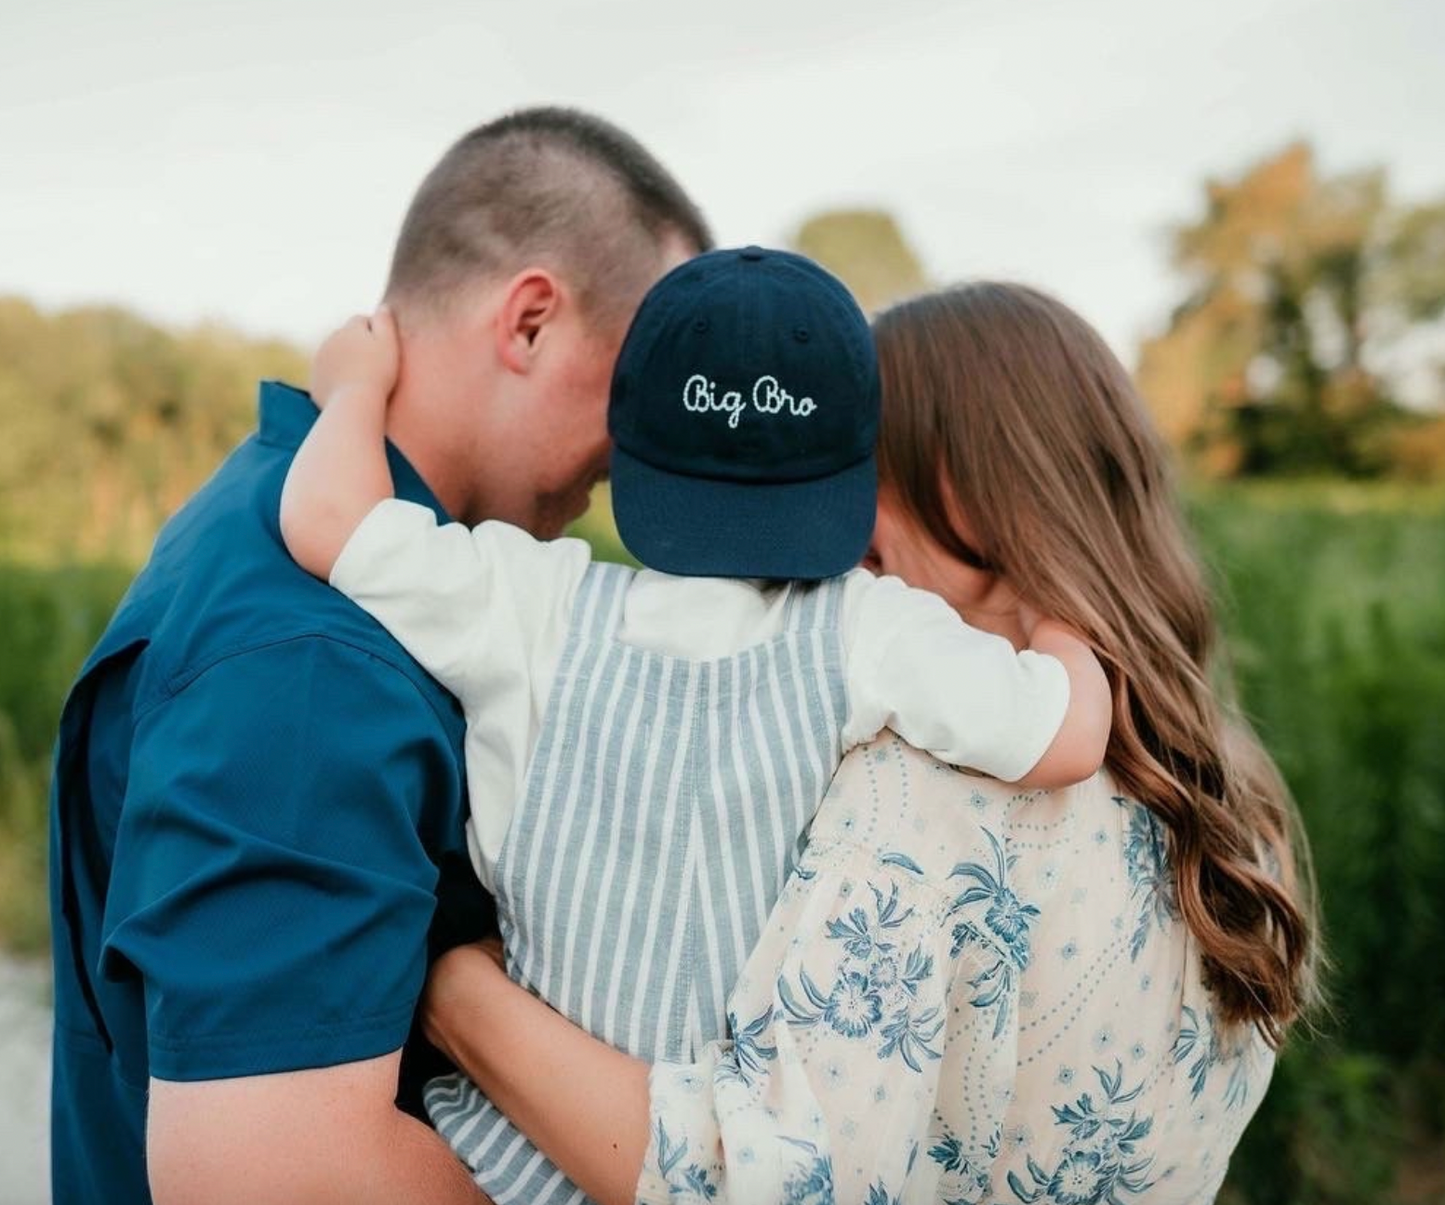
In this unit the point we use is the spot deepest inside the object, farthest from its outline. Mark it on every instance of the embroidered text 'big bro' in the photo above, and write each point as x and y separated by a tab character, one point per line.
700	396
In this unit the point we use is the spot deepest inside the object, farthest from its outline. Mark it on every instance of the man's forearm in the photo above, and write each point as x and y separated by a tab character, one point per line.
582	1103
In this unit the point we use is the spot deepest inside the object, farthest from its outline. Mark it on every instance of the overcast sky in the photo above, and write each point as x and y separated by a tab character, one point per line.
250	160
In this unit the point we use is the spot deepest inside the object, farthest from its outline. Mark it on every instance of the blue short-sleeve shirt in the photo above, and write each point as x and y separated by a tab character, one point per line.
257	798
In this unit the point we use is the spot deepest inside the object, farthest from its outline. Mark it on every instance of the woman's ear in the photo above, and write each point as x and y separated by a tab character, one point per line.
529	304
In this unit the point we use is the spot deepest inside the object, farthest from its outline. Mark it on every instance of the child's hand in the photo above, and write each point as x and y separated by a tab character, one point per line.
340	471
363	357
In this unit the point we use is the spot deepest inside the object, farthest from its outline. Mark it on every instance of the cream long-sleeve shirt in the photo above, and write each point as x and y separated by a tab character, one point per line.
966	995
487	612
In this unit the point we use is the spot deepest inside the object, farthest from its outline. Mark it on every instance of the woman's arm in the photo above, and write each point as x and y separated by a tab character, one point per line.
340	472
582	1103
830	1055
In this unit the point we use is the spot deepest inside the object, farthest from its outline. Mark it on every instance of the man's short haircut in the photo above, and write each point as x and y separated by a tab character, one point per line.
551	187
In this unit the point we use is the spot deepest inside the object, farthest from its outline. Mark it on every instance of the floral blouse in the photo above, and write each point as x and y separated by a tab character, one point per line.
965	995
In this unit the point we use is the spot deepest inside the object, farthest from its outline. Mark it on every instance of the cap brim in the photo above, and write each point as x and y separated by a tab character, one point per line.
698	527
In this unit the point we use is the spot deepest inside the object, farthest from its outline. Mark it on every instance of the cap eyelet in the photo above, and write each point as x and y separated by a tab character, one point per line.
701	325
800	333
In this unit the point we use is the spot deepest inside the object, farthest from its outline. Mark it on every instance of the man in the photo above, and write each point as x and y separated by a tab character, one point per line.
241	890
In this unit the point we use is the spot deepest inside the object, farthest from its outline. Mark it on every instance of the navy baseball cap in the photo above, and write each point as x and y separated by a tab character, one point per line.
744	421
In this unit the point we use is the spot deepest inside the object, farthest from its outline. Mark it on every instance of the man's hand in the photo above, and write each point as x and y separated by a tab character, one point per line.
362	357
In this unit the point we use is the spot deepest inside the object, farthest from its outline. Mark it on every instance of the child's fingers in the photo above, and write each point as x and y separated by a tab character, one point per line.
352	326
383	326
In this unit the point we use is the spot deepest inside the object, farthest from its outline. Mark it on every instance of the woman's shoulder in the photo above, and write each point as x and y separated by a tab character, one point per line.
1083	975
1086	868
892	797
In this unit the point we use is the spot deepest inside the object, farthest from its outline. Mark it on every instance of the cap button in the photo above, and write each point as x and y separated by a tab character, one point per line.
751	253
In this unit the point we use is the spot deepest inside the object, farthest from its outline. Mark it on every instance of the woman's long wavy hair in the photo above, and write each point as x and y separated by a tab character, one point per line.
1010	401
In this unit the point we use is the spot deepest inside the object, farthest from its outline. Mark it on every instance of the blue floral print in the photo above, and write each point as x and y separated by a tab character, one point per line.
905	979
1004	929
878	1195
1101	1159
1201	1042
853	1008
871	991
750	1051
966	1178
1146	862
813	1185
685	1181
858	932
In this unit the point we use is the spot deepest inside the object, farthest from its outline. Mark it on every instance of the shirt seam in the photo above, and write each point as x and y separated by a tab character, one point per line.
256	1037
177	683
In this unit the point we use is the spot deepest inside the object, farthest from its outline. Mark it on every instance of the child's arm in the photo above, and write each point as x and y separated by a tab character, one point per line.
1040	718
477	608
1077	751
340	472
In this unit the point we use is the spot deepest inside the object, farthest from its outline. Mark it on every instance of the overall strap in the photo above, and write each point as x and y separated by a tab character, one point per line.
814	606
597	613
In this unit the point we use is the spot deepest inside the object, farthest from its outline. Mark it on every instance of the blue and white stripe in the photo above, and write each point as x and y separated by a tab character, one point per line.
666	803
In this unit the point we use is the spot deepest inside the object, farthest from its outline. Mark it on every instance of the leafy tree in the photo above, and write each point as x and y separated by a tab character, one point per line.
1285	354
111	423
867	251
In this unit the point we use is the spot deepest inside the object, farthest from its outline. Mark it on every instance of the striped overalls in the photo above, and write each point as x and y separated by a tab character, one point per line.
666	801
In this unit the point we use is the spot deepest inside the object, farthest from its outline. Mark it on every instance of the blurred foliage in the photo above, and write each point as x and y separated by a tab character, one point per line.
1337	631
1311	339
867	251
50	618
110	423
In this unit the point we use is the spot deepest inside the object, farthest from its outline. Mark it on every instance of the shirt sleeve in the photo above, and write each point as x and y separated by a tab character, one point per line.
966	696
476	607
270	887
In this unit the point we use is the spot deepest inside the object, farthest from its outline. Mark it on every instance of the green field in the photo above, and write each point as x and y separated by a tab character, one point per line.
1334	602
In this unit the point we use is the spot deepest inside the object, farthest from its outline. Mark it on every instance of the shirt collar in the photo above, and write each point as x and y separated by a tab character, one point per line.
286	416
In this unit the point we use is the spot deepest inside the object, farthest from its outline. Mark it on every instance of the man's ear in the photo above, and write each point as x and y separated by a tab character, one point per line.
531	301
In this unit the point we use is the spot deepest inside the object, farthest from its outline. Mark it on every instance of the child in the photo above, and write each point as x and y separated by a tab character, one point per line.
646	749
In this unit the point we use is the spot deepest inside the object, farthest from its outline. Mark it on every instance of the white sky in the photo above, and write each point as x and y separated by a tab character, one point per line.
250	160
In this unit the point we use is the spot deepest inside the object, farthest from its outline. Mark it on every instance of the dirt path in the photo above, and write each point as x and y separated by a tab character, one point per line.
25	1072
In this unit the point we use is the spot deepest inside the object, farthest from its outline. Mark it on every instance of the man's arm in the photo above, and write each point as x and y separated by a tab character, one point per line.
272	893
312	1137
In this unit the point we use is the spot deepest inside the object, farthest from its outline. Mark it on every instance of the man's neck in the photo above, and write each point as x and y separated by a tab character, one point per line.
427	419
415	432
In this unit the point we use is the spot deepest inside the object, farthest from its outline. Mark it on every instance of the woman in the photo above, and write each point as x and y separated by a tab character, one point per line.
965	994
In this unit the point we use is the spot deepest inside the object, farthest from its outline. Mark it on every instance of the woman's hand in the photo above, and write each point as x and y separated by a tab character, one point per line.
363	357
454	987
582	1103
